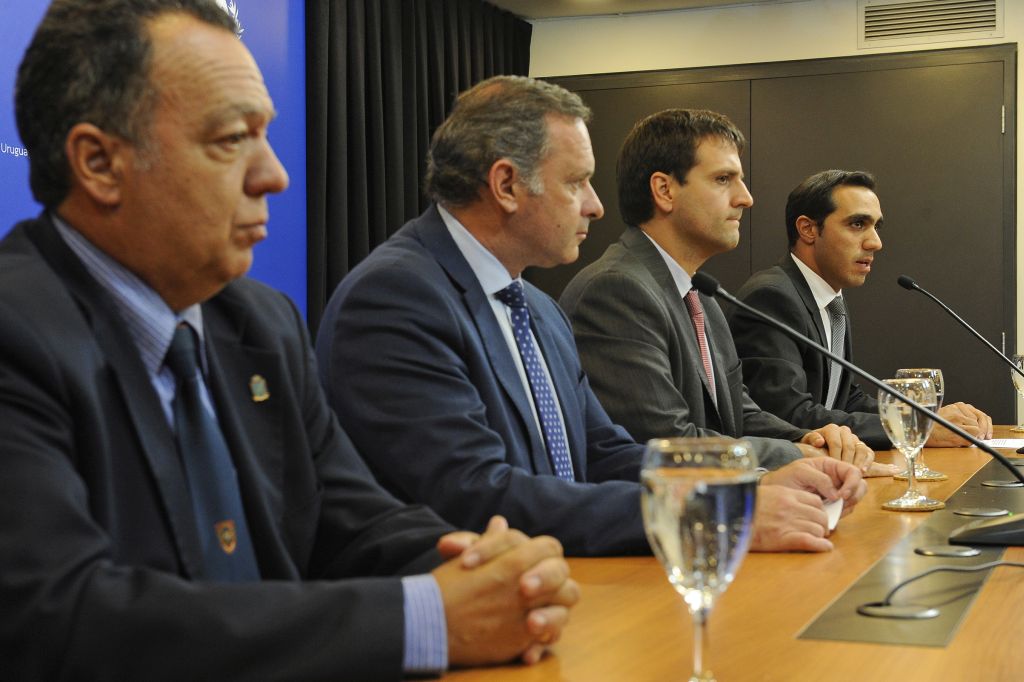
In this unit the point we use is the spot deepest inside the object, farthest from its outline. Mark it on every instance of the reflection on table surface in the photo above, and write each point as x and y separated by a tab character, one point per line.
631	625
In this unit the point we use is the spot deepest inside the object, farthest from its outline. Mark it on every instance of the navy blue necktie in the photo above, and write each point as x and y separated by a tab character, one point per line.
213	483
547	410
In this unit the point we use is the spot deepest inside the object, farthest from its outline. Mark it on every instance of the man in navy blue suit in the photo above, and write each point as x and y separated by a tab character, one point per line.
146	125
461	384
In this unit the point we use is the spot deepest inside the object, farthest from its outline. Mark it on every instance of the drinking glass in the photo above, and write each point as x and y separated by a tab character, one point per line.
908	430
1018	383
921	470
698	506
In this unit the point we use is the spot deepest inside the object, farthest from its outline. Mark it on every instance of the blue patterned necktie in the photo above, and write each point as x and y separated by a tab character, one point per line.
213	483
547	410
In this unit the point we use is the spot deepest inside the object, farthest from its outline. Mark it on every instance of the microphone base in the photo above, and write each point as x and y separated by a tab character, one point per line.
1004	531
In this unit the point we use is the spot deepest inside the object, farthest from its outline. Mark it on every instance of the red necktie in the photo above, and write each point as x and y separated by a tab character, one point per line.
697	315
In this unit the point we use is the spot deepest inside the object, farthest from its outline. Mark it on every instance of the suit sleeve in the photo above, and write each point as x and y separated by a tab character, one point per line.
622	331
397	368
773	369
73	610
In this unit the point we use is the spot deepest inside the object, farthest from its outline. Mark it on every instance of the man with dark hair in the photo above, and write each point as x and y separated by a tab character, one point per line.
833	220
178	501
660	356
460	383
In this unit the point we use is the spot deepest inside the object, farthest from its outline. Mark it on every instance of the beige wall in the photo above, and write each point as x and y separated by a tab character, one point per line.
801	29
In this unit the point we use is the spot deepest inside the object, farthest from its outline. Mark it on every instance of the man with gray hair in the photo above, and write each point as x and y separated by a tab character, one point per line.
177	500
460	383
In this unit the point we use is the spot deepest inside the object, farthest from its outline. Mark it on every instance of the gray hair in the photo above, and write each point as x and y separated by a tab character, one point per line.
89	62
503	117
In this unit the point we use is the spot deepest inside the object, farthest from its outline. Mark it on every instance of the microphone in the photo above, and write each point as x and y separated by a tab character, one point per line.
910	285
1006	531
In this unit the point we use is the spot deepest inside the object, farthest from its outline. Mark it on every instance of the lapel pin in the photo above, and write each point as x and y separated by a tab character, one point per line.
226	535
258	388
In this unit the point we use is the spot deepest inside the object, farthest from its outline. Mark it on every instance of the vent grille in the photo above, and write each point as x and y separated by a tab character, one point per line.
894	23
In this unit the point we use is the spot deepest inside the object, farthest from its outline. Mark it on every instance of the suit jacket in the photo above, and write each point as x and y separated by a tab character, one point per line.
786	377
98	544
416	367
639	347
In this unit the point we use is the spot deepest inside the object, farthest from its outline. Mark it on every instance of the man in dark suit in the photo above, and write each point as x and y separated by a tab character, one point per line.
460	383
635	317
832	221
203	517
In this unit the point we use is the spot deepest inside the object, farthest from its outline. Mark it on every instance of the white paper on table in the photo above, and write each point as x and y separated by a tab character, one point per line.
834	510
1005	443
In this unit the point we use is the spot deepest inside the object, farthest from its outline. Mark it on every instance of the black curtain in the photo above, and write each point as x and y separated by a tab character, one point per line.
381	75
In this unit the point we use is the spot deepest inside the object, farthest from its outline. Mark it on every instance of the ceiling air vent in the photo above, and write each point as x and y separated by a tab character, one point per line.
886	23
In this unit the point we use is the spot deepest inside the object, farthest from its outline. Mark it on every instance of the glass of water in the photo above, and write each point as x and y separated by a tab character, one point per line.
921	470
698	508
908	429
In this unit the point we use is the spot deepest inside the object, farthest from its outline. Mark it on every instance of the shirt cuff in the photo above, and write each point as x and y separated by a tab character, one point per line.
426	630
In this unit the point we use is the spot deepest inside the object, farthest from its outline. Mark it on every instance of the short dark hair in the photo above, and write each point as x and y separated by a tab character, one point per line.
665	142
813	197
501	117
89	62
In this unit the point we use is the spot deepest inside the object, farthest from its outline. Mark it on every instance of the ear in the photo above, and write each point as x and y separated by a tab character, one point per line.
807	230
661	191
96	160
503	184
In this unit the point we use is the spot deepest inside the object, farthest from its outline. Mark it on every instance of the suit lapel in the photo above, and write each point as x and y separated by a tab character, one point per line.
648	256
564	383
802	288
143	404
434	236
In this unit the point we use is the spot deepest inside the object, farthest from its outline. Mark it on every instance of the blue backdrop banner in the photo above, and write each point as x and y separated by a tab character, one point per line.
274	31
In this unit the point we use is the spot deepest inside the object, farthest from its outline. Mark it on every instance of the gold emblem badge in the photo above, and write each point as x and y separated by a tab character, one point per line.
258	388
225	531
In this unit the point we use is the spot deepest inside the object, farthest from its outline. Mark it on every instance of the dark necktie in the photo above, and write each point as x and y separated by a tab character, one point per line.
837	317
550	421
213	484
693	304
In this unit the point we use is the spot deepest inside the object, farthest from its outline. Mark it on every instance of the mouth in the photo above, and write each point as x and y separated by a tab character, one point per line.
253	232
864	264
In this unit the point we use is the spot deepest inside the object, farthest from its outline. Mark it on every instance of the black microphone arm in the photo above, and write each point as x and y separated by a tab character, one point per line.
708	285
910	285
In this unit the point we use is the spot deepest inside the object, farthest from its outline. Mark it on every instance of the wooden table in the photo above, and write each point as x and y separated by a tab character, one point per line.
631	626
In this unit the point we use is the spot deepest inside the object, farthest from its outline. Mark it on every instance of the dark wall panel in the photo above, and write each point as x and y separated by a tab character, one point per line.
929	124
933	138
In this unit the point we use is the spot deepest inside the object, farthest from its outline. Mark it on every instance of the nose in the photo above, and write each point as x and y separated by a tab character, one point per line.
873	242
592	206
743	198
266	174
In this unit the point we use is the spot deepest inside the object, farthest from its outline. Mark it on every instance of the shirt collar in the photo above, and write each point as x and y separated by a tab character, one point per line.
149	319
679	275
489	271
821	290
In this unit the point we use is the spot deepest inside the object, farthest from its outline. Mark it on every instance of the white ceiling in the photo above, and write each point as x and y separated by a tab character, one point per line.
548	9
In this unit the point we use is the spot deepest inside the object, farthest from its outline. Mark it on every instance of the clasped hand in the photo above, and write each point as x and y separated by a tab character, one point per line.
505	595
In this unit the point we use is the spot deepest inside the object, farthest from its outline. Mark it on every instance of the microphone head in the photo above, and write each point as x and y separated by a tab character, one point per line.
704	283
906	282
